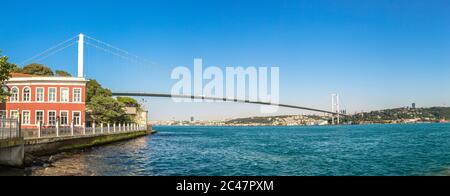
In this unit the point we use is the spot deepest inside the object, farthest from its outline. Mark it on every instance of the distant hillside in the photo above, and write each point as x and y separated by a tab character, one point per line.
279	120
401	114
397	115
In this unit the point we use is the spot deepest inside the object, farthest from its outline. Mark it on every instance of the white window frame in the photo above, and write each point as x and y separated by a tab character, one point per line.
17	96
73	118
56	94
29	95
60	117
43	94
11	111
29	117
6	113
73	95
48	117
36	117
61	95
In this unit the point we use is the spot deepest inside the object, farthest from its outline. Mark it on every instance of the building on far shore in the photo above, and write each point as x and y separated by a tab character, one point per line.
138	115
45	101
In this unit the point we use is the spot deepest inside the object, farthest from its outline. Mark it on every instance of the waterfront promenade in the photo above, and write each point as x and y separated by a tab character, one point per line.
16	143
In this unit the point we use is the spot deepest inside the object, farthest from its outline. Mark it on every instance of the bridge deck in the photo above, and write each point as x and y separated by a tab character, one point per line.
224	100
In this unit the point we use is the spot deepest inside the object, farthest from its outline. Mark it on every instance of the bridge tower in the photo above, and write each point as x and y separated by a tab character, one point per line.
335	108
80	56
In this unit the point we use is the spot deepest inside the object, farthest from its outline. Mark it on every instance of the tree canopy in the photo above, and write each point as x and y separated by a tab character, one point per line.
63	73
107	109
128	101
5	70
95	89
99	100
37	69
103	106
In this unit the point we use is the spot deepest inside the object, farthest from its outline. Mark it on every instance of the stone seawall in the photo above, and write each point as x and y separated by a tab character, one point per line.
49	146
12	152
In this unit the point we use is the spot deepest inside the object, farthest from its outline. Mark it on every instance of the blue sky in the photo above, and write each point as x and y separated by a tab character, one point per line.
376	54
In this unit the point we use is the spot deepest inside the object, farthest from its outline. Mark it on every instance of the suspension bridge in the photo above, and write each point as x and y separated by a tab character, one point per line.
84	40
12	142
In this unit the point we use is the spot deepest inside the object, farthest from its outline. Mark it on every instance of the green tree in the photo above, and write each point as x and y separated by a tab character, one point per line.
5	73
63	73
37	69
107	109
95	89
15	68
128	102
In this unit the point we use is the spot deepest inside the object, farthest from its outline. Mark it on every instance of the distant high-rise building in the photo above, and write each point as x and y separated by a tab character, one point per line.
192	119
413	106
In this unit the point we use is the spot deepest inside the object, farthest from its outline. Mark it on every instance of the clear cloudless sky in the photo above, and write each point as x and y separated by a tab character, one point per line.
376	54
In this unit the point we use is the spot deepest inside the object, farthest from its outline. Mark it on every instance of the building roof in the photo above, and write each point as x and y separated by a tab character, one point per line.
20	77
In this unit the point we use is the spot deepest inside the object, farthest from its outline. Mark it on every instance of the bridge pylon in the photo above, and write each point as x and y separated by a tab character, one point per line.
335	108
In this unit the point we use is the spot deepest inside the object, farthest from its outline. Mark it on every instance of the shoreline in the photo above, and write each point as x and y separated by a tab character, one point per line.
42	159
154	155
417	123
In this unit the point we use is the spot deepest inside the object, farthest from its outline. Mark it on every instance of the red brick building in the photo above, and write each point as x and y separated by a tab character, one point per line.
46	100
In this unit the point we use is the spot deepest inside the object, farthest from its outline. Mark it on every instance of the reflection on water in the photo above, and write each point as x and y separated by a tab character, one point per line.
281	151
69	164
102	160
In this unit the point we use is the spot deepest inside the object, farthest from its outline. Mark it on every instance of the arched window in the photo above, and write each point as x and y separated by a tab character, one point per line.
26	94
14	94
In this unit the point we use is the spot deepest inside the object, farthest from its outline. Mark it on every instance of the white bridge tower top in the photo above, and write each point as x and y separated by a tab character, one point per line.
81	56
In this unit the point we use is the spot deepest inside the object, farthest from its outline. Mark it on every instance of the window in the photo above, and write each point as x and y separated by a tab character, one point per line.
64	118
64	95
26	94
14	94
52	94
14	114
26	117
2	124
40	117
52	118
77	118
77	95
39	94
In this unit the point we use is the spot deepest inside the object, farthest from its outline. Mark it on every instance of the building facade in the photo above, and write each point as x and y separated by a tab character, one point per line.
46	101
138	115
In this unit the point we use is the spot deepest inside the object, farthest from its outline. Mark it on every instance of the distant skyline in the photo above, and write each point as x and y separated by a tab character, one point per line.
375	54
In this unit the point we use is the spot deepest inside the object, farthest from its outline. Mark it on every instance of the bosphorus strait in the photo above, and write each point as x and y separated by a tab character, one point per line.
386	150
